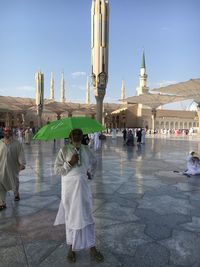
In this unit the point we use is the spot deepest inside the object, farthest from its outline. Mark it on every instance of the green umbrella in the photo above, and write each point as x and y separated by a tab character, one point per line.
61	128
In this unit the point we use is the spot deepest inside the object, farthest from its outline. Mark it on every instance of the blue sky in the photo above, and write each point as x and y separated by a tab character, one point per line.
54	35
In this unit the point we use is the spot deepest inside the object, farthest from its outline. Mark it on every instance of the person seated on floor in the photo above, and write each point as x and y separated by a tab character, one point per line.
130	138
193	164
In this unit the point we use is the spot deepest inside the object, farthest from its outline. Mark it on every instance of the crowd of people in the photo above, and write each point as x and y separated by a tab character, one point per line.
171	131
130	134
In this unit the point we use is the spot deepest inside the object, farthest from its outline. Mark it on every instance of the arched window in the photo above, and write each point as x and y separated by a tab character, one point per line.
176	125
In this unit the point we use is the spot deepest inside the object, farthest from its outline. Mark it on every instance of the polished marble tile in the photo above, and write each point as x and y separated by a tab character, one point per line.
145	214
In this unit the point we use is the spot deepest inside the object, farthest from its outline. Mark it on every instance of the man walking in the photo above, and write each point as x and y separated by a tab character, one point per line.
12	161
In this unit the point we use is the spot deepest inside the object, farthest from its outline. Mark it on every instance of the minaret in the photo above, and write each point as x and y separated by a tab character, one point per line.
52	87
87	101
62	99
122	91
143	89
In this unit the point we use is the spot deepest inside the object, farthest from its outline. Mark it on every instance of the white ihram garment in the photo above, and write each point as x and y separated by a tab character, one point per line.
11	157
193	167
75	210
97	141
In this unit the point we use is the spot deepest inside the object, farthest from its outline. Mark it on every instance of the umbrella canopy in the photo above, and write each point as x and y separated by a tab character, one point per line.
190	89
154	100
60	129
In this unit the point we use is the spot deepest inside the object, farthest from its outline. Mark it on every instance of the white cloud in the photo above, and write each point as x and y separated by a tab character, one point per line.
79	73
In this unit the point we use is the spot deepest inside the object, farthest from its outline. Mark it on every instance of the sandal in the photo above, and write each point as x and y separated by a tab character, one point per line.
17	198
71	256
2	207
95	254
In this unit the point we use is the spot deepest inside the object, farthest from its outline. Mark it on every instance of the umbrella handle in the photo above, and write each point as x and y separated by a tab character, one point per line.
78	152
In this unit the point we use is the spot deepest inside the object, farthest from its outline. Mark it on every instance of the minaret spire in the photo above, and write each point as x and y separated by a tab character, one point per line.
143	60
62	99
143	89
87	92
52	87
123	91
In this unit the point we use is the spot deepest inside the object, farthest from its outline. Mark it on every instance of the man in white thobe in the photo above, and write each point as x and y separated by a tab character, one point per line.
28	136
76	164
12	160
143	136
97	141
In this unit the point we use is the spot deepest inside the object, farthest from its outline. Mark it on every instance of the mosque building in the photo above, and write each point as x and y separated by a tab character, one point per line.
139	115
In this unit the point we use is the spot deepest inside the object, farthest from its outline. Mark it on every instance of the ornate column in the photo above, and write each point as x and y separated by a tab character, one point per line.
93	115
153	118
70	113
58	115
23	118
39	79
7	122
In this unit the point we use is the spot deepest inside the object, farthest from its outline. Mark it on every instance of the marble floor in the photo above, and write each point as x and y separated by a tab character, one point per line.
145	214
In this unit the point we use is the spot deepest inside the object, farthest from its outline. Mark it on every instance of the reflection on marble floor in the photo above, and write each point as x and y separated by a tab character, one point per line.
145	214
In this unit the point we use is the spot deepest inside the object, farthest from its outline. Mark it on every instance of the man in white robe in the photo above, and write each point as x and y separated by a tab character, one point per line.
76	164
114	133
97	141
28	136
12	160
143	136
193	164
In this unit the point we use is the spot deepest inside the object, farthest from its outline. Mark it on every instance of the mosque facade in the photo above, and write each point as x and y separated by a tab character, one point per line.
140	116
23	112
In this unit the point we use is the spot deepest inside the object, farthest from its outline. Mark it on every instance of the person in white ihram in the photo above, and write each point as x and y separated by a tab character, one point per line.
97	141
12	161
76	164
193	164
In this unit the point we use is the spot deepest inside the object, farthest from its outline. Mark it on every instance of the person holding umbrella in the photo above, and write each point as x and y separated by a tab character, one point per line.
76	163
